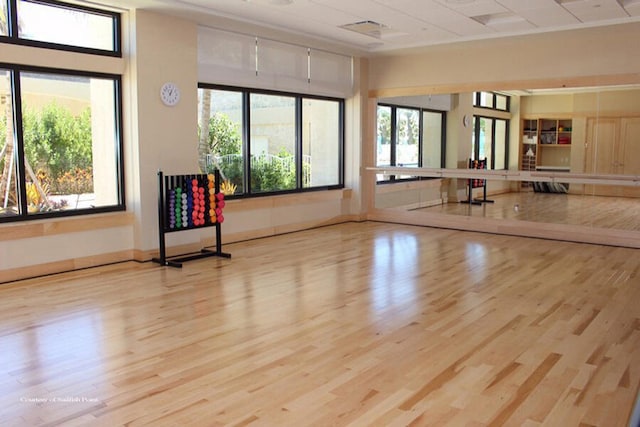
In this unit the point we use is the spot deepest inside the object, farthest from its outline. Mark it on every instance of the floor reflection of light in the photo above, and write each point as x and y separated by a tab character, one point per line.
393	271
60	352
78	336
476	258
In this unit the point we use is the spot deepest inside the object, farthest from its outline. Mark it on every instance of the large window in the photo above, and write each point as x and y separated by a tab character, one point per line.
52	24
60	130
409	137
491	130
266	142
490	141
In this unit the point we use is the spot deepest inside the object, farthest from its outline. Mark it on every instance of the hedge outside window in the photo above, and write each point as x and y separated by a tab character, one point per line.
272	142
267	142
60	128
65	157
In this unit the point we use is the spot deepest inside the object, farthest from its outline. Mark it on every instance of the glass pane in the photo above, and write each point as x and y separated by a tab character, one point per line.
485	139
221	146
408	128
432	140
486	99
501	102
501	144
272	143
70	142
474	138
4	28
383	156
65	25
9	204
408	138
320	143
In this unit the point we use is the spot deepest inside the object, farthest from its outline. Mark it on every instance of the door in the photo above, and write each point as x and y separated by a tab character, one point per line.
600	153
613	148
629	152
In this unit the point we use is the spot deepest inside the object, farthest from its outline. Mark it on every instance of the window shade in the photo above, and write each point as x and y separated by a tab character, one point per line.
236	59
282	66
226	58
330	73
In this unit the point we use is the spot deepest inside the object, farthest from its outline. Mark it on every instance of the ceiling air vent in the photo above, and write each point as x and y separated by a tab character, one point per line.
368	28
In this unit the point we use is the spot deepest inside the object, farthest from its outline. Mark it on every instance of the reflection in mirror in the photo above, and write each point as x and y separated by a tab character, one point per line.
590	134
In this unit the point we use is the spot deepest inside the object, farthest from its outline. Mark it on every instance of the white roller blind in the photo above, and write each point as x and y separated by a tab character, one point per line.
283	66
235	59
226	58
331	73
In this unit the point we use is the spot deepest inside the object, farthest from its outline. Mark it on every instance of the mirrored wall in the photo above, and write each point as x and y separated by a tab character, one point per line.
569	158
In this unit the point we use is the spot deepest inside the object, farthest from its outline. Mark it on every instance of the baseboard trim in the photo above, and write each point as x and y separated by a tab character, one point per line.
227	238
33	271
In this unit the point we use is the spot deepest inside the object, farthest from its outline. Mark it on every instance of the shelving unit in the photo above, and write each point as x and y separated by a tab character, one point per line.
546	145
554	150
529	148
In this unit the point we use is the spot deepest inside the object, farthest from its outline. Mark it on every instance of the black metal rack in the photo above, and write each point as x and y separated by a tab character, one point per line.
206	211
477	183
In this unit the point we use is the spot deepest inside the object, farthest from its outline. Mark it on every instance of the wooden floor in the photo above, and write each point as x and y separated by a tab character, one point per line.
364	324
621	213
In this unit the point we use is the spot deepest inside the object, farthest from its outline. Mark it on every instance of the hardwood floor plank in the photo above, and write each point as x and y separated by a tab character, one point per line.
350	324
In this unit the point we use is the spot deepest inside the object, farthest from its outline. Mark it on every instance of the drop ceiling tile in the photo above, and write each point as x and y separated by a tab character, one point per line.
410	23
474	8
553	16
513	26
437	17
595	10
633	9
521	5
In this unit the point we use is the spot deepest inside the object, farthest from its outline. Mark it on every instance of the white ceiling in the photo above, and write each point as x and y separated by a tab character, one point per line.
398	24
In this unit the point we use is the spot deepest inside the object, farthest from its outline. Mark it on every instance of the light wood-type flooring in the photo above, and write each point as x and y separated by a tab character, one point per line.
363	324
593	211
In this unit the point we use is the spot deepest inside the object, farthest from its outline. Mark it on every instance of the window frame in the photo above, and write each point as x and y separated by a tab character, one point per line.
16	95
394	137
298	151
476	140
14	38
477	101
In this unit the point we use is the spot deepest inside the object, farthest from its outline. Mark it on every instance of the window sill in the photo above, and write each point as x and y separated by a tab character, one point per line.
63	225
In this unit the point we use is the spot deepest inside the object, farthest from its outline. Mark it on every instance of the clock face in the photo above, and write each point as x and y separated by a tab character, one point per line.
170	94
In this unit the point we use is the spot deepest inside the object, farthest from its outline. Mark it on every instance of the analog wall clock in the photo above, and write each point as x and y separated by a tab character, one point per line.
170	94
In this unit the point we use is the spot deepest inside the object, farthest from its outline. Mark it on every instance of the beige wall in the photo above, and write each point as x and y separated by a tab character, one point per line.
55	245
593	56
158	49
162	138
